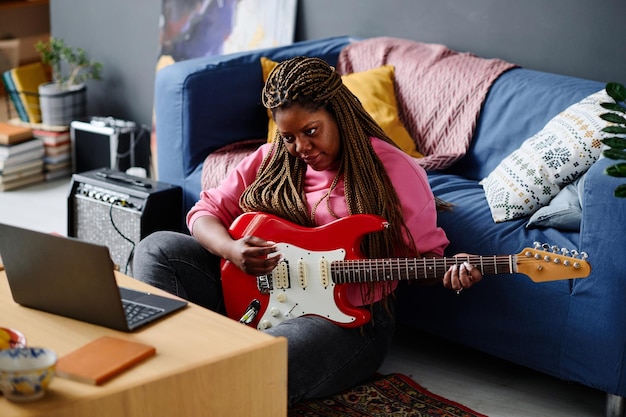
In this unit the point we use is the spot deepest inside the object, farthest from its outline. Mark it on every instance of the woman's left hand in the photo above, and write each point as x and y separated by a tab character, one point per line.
461	276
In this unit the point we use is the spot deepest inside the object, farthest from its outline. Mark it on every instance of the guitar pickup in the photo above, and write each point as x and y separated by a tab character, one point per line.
280	275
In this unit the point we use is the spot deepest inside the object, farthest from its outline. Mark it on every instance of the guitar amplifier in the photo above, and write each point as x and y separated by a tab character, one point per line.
111	208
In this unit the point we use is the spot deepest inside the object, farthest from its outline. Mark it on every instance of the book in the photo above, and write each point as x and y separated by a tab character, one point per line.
27	79
12	134
57	173
22	181
12	169
101	359
21	157
7	178
7	151
9	86
55	150
52	138
56	159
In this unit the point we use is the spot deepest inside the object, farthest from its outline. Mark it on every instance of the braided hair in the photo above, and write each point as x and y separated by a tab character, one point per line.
278	188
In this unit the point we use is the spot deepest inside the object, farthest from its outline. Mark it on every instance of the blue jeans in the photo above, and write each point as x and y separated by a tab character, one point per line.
323	358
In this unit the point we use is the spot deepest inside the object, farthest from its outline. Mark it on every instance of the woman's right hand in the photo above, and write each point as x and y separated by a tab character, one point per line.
251	254
254	256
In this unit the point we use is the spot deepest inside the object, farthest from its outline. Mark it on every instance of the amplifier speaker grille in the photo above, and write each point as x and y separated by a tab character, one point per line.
116	227
108	208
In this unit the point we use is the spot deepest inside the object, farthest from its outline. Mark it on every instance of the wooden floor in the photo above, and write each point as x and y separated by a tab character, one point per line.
488	385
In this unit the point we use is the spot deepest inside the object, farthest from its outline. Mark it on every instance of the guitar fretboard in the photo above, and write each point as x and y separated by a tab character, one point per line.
397	269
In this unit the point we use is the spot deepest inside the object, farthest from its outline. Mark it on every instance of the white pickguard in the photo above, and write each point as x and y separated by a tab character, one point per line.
303	285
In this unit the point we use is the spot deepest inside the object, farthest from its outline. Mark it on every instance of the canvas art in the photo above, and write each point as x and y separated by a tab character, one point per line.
195	28
198	28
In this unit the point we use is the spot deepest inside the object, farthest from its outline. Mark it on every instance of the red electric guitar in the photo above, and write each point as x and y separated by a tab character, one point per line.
319	262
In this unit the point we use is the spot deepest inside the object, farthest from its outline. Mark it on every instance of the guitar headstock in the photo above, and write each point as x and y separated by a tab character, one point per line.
545	263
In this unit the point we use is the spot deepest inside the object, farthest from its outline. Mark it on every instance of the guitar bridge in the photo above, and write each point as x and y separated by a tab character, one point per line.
264	283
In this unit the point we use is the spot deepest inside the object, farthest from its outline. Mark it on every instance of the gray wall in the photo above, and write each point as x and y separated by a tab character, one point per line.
124	35
582	38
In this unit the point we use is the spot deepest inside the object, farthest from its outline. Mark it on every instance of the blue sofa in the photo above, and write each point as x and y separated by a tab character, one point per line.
574	330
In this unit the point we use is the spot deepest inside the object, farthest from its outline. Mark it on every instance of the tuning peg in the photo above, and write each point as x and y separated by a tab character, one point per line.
536	245
584	256
545	247
574	253
555	249
564	251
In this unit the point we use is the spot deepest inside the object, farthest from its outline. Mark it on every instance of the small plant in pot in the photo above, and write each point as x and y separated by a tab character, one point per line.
65	98
617	143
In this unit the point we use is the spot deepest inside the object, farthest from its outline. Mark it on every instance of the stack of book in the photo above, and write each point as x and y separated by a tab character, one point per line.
57	160
21	157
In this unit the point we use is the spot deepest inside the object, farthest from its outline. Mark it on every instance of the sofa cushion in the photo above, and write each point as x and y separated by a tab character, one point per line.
220	163
563	212
375	90
558	154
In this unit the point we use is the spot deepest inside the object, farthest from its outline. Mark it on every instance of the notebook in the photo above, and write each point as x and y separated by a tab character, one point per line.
27	79
73	278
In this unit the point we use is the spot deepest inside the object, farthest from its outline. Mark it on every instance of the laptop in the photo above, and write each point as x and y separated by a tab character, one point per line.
74	278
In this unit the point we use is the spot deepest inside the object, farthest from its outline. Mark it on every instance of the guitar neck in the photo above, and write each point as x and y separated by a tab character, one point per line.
398	269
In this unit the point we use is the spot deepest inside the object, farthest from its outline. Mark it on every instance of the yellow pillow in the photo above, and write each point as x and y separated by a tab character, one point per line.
375	90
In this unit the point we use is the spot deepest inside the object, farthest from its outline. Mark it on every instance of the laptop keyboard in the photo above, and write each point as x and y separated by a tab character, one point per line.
136	313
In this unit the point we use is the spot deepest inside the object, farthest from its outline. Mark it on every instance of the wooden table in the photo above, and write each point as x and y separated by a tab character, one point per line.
206	365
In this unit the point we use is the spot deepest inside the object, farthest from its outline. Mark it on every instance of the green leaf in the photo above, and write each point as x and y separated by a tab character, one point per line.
617	91
615	130
614	107
615	153
620	191
617	170
613	118
615	142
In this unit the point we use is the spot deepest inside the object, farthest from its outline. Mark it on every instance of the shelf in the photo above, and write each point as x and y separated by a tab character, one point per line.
16	4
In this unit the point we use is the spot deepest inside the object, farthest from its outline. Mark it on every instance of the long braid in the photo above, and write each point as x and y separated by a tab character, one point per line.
278	188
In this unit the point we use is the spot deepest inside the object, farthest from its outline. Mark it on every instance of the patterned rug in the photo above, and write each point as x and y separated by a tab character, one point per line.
385	395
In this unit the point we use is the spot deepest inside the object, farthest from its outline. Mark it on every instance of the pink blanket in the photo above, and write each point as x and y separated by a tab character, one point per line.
439	91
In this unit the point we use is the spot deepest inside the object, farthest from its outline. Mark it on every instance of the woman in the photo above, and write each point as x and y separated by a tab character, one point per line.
329	160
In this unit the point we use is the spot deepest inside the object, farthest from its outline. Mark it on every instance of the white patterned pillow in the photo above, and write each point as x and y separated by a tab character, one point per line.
558	154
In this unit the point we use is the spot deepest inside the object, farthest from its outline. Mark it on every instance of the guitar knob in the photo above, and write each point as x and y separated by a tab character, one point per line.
274	312
265	324
281	298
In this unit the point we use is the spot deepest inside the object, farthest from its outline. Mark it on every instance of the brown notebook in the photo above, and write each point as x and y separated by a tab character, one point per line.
101	359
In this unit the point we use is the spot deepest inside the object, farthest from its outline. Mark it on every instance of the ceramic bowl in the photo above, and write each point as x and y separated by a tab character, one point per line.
26	372
11	338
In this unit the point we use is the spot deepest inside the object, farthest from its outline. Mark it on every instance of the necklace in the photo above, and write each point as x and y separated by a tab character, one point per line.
327	197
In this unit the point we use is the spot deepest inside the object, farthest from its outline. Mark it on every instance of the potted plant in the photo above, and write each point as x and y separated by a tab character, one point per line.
616	145
65	98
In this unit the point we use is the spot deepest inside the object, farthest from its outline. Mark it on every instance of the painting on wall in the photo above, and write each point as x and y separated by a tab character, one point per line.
198	28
